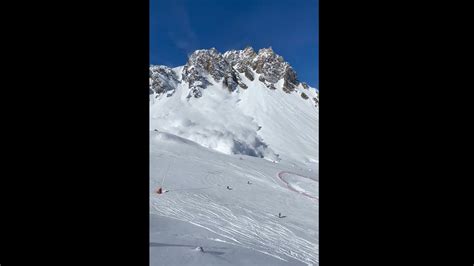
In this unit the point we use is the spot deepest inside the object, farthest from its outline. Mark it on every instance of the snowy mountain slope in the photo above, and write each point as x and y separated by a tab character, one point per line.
244	218
238	103
240	119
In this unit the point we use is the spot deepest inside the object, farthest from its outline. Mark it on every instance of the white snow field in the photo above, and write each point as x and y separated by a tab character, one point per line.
170	248
226	138
241	225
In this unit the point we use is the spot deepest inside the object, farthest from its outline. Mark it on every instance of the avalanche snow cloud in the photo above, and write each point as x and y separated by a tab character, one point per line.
239	102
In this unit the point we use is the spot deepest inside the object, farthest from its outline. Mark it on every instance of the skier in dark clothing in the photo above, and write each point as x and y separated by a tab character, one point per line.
229	188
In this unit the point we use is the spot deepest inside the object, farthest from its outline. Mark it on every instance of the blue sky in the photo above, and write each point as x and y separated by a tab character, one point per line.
290	27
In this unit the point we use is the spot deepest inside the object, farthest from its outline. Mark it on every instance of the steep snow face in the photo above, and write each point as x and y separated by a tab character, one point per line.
240	102
289	123
213	121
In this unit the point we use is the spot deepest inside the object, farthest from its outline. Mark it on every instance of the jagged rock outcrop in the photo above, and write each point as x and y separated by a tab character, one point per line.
241	61
205	67
196	80
163	80
291	81
248	74
211	63
316	99
274	68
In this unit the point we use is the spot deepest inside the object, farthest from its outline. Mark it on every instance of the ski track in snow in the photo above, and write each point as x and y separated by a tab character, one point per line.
292	188
242	224
262	232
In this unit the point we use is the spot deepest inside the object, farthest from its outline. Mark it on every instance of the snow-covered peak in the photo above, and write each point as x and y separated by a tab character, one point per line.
234	70
273	68
239	102
204	63
240	56
204	53
266	52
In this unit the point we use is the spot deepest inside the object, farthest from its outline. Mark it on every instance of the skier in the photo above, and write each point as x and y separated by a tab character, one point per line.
279	215
161	191
248	182
229	188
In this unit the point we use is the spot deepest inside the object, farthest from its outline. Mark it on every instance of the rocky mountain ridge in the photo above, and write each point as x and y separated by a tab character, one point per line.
233	69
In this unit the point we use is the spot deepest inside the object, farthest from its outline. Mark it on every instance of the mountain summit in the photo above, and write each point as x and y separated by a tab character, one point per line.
239	102
228	68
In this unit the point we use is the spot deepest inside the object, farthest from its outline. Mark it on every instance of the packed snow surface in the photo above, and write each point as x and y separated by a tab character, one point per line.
241	226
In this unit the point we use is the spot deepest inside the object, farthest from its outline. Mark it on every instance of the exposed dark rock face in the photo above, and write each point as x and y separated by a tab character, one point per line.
241	61
290	80
248	74
240	58
211	63
273	68
269	64
231	82
316	100
271	86
195	70
162	80
205	67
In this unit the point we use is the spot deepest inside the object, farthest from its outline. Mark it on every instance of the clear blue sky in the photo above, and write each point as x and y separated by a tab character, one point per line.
290	27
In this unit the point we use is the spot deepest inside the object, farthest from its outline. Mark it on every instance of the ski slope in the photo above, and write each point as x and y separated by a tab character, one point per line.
211	127
235	227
